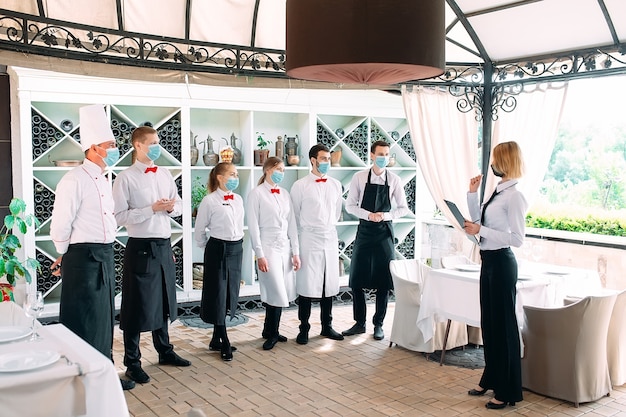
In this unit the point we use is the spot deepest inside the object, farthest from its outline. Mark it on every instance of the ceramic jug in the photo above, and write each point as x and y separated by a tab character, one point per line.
280	147
237	156
194	153
210	158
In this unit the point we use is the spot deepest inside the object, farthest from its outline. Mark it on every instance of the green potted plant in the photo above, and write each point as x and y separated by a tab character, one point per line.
198	191
11	268
261	153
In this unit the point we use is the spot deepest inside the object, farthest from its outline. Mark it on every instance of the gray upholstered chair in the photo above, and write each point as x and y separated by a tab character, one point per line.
566	350
616	342
408	279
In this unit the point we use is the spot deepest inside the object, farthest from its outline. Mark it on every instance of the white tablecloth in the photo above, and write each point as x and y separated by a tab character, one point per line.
452	294
60	389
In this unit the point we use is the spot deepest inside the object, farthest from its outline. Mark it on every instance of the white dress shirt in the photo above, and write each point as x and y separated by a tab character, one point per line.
397	196
505	217
317	205
83	208
134	192
219	218
271	219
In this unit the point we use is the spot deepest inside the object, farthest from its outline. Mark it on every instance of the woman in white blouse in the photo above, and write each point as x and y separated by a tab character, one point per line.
274	236
219	230
499	225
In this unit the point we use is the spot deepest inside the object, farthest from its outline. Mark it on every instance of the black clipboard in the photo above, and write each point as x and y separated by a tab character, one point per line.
460	219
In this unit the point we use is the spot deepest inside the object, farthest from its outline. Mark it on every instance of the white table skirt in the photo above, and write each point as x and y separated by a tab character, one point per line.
452	294
60	389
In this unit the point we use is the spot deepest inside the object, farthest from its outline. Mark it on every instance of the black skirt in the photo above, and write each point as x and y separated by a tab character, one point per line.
221	280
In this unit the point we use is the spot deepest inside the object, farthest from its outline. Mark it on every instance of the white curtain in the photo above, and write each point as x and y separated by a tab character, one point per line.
446	145
533	124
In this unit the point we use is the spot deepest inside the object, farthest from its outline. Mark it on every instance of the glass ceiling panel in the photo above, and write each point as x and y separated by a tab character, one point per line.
95	13
542	27
222	21
162	17
617	9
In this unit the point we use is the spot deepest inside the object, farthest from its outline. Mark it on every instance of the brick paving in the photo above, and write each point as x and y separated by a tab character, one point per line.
358	376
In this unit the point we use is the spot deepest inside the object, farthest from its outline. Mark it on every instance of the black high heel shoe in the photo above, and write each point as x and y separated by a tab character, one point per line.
226	353
476	392
493	406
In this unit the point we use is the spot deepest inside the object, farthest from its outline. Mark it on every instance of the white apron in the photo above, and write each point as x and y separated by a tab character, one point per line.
278	285
319	256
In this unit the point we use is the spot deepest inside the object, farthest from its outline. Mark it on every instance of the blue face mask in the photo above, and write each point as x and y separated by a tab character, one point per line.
154	151
232	183
277	177
113	155
381	161
323	167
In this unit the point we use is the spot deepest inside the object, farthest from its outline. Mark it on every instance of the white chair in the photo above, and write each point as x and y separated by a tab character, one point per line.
616	342
12	314
408	280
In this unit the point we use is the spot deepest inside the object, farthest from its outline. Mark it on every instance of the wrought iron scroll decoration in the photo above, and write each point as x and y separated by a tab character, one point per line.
27	33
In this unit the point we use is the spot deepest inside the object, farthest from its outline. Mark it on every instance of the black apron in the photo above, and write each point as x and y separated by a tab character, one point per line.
148	285
87	294
221	280
373	246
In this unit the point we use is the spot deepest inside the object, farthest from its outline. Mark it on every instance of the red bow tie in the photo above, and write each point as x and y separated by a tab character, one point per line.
321	180
229	197
275	191
150	169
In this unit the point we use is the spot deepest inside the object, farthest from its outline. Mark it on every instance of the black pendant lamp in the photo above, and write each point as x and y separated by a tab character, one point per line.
374	42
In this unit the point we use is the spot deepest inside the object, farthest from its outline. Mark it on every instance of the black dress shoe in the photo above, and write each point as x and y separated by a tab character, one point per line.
226	353
270	343
493	406
378	333
477	392
281	338
173	359
356	329
218	346
303	337
137	374
126	384
330	333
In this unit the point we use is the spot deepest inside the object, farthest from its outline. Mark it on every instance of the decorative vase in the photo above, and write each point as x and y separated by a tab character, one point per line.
237	156
194	152
335	157
291	147
210	158
226	154
260	155
280	147
392	160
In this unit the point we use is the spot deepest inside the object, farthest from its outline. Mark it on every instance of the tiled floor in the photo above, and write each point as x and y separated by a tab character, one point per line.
354	377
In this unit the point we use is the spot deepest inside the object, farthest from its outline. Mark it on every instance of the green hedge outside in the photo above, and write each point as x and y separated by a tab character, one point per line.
613	224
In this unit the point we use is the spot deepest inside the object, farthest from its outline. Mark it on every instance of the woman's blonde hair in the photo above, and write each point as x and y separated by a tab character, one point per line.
270	163
219	169
507	158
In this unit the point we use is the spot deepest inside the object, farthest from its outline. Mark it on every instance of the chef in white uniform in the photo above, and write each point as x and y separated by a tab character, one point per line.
317	206
274	235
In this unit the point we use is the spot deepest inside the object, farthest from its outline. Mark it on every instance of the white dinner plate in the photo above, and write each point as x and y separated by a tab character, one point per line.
11	333
27	360
468	267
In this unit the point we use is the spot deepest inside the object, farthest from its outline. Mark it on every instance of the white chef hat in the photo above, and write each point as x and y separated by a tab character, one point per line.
94	126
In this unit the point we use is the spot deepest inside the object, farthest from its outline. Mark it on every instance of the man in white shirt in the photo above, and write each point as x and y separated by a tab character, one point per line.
83	230
317	206
369	198
145	199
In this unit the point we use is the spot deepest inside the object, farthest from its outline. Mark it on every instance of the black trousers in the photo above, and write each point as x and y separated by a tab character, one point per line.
160	340
359	309
304	312
503	368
